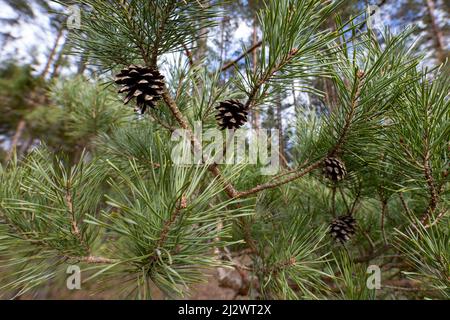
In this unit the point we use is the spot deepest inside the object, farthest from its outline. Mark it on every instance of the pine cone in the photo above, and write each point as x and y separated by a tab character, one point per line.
343	228
231	114
334	169
143	83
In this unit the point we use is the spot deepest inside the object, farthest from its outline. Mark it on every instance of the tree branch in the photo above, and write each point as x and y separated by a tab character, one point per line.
382	2
272	185
349	116
183	122
242	56
94	260
431	187
267	75
75	230
168	223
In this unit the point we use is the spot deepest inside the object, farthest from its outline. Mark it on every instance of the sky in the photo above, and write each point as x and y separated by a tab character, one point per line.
33	39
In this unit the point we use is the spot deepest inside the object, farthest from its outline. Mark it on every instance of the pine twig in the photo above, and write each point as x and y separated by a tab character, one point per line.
272	185
384	211
373	255
75	230
242	56
431	187
280	266
95	260
360	77
159	33
183	122
267	75
173	217
436	220
73	222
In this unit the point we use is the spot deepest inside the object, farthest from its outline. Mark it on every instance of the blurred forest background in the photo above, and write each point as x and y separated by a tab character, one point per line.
35	56
45	98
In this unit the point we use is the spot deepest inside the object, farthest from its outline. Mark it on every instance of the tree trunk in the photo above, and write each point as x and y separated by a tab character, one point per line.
279	124
437	32
255	113
53	51
82	65
222	40
59	60
26	146
17	136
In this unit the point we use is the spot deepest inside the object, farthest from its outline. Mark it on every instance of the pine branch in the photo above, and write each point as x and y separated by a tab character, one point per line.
272	185
228	187
267	76
280	266
436	220
349	117
95	260
431	186
173	217
242	56
183	122
69	203
140	42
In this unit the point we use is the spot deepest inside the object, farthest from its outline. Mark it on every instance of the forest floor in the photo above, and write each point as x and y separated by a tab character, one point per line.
213	289
220	284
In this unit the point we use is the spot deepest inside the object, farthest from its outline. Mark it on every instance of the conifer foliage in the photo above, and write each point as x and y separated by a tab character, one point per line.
136	220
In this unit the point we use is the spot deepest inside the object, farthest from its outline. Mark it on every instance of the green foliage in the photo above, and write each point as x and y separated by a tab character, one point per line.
292	258
351	279
149	28
129	215
81	111
369	83
43	205
16	94
418	141
428	252
293	47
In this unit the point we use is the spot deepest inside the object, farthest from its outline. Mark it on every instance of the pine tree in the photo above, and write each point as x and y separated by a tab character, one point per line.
127	213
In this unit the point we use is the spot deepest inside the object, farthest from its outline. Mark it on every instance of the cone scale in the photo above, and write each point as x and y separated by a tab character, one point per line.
342	228
231	114
143	84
